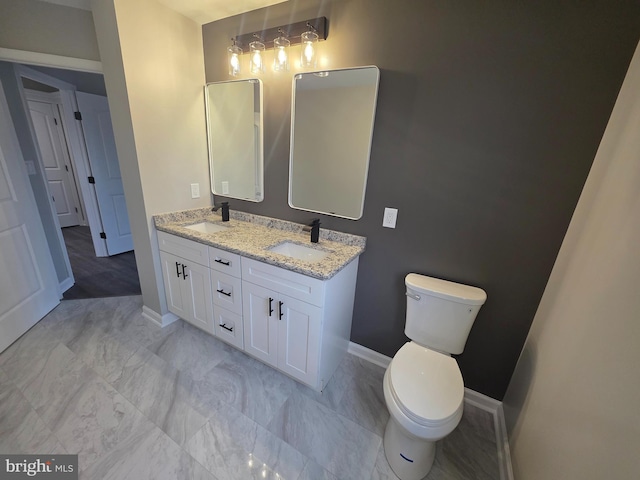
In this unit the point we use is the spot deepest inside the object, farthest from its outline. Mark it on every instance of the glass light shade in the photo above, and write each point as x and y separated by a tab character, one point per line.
281	54
233	60
309	52
256	57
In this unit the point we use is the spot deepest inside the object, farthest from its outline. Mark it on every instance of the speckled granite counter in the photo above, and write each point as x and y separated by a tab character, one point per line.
252	235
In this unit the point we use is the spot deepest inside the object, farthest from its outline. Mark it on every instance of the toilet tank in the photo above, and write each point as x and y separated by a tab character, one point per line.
440	313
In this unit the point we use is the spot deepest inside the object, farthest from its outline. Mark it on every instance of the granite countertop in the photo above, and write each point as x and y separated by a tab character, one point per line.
252	235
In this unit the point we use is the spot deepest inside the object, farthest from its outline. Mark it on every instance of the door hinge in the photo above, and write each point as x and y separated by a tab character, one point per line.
55	121
103	235
66	167
92	180
78	115
76	209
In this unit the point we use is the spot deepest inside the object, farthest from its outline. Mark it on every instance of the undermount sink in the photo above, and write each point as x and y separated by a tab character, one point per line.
206	227
299	252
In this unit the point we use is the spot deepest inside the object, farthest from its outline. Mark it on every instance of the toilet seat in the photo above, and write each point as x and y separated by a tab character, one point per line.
426	385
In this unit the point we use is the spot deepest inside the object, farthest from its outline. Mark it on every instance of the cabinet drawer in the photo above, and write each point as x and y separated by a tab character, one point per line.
296	285
228	327
182	247
227	291
225	262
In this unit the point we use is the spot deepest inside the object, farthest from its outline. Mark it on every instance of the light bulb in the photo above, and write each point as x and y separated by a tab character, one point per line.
308	52
235	62
257	63
282	56
257	60
233	59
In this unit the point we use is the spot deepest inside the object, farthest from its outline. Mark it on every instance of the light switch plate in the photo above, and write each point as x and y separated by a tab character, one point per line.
390	217
195	190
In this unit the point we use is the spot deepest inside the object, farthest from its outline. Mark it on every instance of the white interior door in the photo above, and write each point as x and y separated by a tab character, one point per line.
101	148
56	161
28	284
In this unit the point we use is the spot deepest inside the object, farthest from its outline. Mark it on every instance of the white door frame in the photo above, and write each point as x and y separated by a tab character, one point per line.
53	99
77	149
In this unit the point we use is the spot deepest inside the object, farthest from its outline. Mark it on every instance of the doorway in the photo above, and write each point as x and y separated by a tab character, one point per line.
83	183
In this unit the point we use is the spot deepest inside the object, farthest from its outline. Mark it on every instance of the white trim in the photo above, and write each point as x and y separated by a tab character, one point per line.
160	320
49	60
66	284
45	184
471	397
369	355
79	156
481	401
502	442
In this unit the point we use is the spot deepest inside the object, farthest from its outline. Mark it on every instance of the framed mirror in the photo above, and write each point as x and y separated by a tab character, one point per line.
331	130
235	138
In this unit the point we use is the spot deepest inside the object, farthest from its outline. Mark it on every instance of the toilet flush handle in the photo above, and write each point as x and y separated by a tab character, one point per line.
413	295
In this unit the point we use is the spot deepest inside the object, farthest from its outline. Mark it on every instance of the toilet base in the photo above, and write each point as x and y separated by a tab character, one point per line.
409	457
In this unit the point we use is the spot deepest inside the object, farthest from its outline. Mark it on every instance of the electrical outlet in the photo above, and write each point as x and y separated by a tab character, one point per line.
390	217
195	190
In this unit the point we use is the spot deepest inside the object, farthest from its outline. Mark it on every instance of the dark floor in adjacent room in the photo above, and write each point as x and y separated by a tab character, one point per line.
97	277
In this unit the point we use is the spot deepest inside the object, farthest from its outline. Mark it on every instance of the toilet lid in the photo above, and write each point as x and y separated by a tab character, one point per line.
427	385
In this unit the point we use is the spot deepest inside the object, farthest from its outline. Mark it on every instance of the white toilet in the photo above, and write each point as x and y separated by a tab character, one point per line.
423	385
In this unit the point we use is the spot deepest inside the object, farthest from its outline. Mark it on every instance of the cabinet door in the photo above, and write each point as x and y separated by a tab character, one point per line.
171	267
259	306
299	339
197	295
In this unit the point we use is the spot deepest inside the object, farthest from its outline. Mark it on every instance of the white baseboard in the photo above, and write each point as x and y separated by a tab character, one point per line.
368	354
66	284
471	397
160	320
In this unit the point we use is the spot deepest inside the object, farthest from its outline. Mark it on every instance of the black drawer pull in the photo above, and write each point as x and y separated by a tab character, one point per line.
178	269
184	275
270	306
280	310
224	325
224	293
217	260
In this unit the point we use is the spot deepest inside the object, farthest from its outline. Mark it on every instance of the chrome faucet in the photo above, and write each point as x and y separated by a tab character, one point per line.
314	228
225	210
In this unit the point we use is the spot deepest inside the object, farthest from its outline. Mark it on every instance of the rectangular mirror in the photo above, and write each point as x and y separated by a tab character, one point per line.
234	131
331	129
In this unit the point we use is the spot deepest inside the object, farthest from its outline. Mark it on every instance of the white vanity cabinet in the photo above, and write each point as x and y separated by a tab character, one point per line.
227	296
298	324
187	282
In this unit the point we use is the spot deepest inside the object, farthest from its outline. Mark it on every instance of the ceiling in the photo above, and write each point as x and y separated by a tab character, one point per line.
200	11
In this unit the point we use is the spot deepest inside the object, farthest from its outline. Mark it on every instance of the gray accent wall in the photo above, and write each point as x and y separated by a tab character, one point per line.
489	117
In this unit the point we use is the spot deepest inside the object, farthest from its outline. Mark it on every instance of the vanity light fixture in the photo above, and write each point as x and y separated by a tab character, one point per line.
307	33
233	58
309	48
281	52
256	56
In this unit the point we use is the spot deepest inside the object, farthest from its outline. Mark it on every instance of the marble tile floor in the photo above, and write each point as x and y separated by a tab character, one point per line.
136	401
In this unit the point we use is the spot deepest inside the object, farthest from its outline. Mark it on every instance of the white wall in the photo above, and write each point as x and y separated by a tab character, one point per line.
153	65
573	404
42	27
